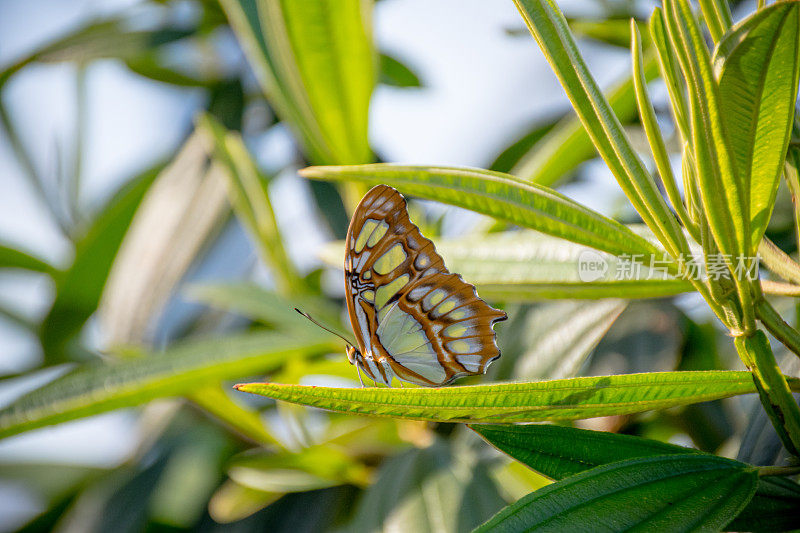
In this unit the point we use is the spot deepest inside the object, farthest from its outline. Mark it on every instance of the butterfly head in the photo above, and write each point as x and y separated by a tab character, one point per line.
354	355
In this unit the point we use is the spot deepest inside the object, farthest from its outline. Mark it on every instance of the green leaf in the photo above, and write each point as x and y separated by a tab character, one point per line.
667	63
16	258
676	493
501	196
559	452
436	489
79	288
566	399
548	26
653	132
99	388
316	64
722	192
525	266
758	64
396	74
774	507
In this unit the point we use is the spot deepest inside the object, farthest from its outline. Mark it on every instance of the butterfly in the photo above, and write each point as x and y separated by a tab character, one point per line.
413	319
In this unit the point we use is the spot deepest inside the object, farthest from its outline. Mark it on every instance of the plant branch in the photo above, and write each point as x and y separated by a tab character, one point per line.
773	391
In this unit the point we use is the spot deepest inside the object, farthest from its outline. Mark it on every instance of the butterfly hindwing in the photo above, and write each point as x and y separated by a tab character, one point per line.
412	317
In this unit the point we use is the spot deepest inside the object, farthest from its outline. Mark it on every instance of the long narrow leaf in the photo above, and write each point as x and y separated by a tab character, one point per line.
566	399
100	388
501	196
668	67
723	194
758	64
549	27
12	257
251	201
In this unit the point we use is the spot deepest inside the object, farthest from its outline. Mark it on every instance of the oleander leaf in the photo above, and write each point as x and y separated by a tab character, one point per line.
566	399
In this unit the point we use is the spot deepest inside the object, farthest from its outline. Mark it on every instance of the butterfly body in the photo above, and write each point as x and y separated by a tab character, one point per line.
413	319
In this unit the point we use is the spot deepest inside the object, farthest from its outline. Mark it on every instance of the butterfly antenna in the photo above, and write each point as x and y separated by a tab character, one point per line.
323	327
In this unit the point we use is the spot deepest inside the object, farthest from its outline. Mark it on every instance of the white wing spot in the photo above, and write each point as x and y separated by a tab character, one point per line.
422	261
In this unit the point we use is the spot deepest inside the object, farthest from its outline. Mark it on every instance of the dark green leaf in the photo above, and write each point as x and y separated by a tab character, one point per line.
662	493
559	452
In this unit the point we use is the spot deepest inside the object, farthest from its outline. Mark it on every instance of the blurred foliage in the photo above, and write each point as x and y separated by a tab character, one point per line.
208	458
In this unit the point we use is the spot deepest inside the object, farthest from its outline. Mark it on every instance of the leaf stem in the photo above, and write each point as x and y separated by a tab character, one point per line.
773	390
764	471
775	324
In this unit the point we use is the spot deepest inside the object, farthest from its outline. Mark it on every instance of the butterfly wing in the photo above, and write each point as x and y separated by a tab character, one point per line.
411	315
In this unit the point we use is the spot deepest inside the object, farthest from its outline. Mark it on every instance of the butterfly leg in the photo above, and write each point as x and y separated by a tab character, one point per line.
358	371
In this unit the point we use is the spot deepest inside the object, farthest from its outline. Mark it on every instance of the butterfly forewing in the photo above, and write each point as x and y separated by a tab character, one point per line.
411	316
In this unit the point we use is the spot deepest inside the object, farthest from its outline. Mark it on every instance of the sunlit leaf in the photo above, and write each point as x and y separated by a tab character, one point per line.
567	399
317	66
548	26
250	199
501	196
757	65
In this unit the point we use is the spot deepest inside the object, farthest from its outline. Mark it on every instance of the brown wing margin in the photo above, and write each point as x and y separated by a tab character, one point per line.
456	321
